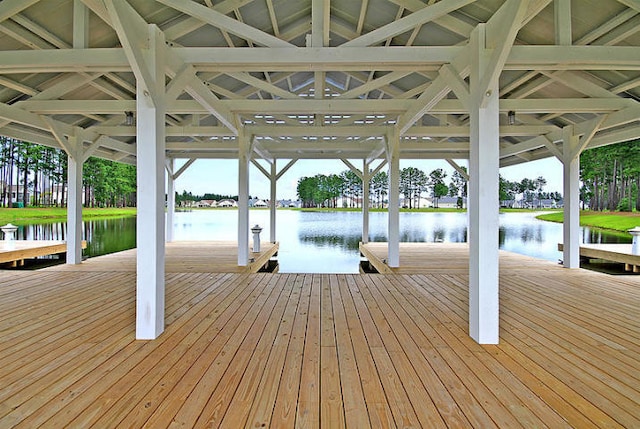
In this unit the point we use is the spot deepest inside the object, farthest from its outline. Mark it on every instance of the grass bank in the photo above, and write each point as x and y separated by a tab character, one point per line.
353	209
31	215
617	221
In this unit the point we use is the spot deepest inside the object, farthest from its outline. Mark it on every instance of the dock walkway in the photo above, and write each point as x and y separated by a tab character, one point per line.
310	350
14	252
620	253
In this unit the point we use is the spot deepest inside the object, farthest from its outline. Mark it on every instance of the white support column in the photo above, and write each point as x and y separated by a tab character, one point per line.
74	202
571	222
150	223
393	155
273	178
366	178
483	199
243	197
171	199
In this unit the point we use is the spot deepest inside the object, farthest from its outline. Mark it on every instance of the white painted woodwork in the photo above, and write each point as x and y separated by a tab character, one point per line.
74	202
483	203
393	229
273	182
571	196
171	200
244	158
366	196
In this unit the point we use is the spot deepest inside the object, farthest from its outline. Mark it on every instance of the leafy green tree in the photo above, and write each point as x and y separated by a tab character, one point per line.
380	187
437	185
412	183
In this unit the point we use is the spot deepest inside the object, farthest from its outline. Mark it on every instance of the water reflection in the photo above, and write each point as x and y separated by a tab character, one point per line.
326	241
102	235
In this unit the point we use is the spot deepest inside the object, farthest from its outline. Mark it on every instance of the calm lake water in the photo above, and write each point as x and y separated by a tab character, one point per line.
327	242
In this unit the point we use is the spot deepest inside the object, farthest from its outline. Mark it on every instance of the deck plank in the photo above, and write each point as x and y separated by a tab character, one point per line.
289	350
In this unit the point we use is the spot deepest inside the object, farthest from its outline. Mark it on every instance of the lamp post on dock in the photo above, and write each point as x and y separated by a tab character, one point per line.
635	247
9	231
256	230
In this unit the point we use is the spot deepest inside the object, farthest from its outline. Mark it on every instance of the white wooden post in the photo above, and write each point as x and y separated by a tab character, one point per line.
150	229
74	201
571	222
243	197
171	199
393	143
273	178
366	178
483	199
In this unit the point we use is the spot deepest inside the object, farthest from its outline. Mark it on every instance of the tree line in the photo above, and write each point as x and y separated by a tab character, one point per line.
35	175
327	190
611	177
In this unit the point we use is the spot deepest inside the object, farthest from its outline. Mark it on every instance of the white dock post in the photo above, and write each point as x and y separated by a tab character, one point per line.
571	185
366	178
171	199
273	179
243	197
483	198
393	155
74	201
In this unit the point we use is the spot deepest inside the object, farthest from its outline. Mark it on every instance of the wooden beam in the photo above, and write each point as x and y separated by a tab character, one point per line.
413	20
221	21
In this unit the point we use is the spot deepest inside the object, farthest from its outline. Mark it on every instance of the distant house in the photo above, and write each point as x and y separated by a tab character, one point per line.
16	192
207	203
449	202
290	203
256	202
227	203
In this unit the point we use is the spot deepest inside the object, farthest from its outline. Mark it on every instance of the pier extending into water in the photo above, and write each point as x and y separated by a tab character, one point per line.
318	350
14	252
620	253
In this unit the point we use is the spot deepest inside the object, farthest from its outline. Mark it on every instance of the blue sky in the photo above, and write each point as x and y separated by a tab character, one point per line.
221	176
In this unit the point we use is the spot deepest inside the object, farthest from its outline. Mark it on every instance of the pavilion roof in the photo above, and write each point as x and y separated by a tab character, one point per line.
320	78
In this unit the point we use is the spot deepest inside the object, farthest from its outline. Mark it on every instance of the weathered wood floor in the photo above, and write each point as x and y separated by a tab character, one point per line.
287	350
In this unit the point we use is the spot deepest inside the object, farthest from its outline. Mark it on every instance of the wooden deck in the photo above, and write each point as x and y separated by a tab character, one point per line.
14	252
287	350
611	252
184	256
446	258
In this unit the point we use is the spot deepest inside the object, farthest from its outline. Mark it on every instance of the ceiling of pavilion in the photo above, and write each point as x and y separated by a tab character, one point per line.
320	78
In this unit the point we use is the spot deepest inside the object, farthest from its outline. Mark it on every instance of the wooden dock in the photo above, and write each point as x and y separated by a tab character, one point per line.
620	253
311	351
446	258
185	256
14	252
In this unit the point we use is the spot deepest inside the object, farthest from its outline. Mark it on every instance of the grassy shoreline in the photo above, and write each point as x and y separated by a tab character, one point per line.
32	215
616	221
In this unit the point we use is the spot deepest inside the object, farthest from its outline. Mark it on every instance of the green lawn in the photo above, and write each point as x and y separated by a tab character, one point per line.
617	221
31	215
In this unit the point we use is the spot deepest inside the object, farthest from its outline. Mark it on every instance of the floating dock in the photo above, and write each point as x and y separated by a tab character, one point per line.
189	256
14	252
620	253
443	258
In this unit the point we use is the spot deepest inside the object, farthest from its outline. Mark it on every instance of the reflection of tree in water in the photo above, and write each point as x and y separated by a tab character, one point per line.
109	235
595	235
43	231
344	242
533	234
102	235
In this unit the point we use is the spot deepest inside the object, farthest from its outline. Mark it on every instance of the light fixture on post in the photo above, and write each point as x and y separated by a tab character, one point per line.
128	118
512	117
